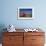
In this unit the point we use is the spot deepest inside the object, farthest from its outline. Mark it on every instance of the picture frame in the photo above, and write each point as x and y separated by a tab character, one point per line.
25	13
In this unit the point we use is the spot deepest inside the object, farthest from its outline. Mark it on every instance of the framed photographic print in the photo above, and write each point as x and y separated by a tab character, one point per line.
25	13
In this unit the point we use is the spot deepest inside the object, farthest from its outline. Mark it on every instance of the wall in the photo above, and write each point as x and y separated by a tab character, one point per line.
9	13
